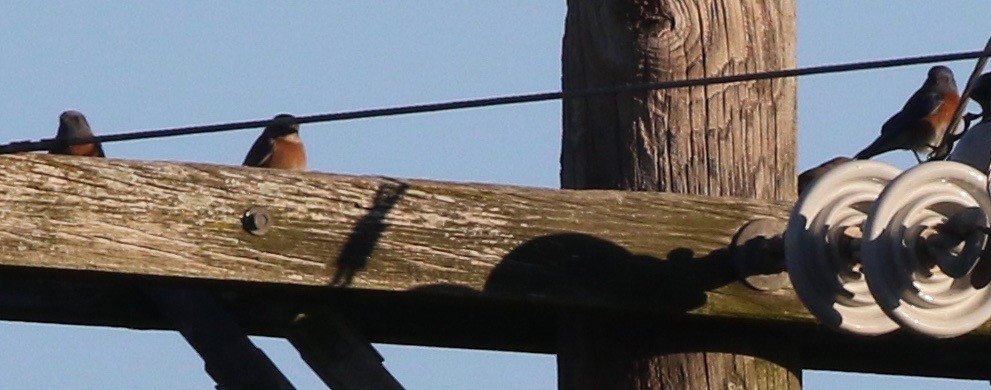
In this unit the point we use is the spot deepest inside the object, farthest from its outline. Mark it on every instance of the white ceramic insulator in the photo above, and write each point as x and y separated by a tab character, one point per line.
831	286
974	148
911	290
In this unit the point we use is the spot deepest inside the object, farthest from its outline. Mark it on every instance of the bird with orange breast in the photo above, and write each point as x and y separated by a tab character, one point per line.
72	126
922	123
279	146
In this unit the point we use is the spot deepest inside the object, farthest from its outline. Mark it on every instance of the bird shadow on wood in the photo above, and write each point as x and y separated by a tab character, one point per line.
366	233
581	268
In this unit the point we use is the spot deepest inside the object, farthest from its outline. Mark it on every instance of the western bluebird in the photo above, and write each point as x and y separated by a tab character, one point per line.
279	146
921	124
73	125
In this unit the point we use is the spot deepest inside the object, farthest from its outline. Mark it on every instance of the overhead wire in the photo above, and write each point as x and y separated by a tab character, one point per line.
45	144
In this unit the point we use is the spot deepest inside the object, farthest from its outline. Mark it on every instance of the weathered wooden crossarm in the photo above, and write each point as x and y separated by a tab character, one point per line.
411	261
645	251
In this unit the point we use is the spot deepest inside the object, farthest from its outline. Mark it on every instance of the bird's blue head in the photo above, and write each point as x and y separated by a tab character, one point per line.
282	125
73	124
941	78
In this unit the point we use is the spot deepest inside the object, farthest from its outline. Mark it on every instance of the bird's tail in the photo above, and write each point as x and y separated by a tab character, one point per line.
881	145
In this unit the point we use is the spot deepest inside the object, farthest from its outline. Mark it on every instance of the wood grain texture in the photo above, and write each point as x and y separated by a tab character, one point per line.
720	140
606	248
454	265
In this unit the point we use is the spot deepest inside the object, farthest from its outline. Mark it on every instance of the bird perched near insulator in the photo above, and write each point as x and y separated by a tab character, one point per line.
974	146
72	126
279	146
922	123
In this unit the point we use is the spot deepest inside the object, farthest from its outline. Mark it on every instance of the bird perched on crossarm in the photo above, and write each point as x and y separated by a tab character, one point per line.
73	125
279	146
921	125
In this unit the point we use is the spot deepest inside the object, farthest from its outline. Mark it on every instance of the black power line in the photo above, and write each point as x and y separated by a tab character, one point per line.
45	144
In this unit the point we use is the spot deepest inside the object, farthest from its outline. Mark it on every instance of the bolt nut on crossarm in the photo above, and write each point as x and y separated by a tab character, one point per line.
257	220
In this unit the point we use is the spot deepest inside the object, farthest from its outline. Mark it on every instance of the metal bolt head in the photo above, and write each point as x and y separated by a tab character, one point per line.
257	220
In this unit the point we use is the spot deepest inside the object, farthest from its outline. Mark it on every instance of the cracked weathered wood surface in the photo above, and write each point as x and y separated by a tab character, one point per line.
583	247
735	139
454	265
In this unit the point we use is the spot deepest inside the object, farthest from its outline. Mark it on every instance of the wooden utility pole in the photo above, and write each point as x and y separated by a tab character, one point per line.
721	140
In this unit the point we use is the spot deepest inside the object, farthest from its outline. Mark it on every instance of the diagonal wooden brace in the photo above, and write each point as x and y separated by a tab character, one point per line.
341	356
230	358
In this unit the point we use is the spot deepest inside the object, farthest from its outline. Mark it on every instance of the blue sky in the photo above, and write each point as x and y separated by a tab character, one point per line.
151	65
